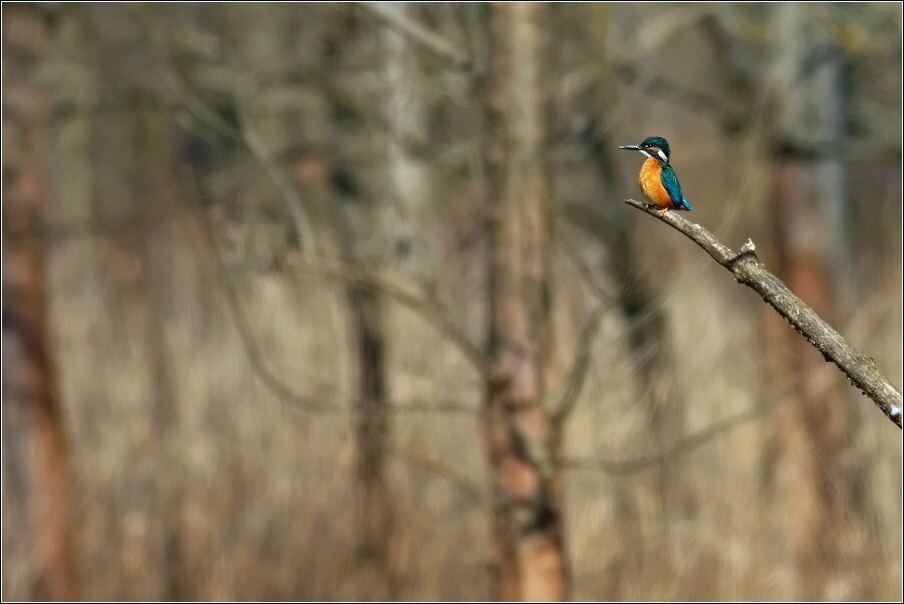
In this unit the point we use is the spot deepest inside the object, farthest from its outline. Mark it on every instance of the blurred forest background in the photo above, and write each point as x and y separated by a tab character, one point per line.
338	301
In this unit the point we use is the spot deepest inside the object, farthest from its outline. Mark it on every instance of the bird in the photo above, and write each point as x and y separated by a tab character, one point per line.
657	179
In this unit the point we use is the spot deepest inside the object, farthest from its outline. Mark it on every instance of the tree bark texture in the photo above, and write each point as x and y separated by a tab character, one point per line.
373	430
526	532
412	200
747	269
376	574
29	381
33	389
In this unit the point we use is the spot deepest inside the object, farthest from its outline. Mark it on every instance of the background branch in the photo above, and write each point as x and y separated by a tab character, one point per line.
432	313
289	192
418	32
421	306
470	489
668	454
576	378
207	245
748	269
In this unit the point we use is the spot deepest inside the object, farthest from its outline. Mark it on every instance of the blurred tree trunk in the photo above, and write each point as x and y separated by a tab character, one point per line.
154	187
816	431
29	380
133	141
409	174
527	524
402	215
373	433
32	386
357	217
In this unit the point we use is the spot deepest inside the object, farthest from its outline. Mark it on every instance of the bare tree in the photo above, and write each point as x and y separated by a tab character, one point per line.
527	528
30	389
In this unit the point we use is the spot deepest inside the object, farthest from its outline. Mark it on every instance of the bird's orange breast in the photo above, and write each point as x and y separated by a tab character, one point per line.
650	181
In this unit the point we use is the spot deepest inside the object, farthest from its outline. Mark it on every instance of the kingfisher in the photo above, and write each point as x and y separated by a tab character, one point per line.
657	179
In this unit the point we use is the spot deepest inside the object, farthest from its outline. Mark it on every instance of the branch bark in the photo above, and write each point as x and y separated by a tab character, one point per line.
748	270
529	562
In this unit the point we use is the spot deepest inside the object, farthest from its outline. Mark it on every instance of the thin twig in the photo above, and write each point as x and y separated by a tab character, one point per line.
209	248
418	32
436	316
747	269
432	313
732	118
599	291
248	137
470	489
290	195
668	454
576	378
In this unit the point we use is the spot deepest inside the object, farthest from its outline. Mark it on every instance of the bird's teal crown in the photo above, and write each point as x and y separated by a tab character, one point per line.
657	141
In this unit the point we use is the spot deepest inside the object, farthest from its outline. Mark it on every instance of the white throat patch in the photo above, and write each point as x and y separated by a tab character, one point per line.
659	154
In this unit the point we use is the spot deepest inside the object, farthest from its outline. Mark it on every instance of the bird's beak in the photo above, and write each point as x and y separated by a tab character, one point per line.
630	147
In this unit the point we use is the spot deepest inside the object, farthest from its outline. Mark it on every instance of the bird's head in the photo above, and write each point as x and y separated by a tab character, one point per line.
652	146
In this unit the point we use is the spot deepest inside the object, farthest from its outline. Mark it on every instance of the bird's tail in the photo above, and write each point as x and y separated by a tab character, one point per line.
686	205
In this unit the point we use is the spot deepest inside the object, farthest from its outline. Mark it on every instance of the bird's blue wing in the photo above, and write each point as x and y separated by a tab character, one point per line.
670	182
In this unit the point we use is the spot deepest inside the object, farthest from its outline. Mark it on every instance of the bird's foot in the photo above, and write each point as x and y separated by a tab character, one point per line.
662	212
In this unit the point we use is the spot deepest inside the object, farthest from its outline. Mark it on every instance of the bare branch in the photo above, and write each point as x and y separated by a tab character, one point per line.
747	269
576	378
432	313
732	118
208	246
294	202
418	32
682	446
584	270
470	489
